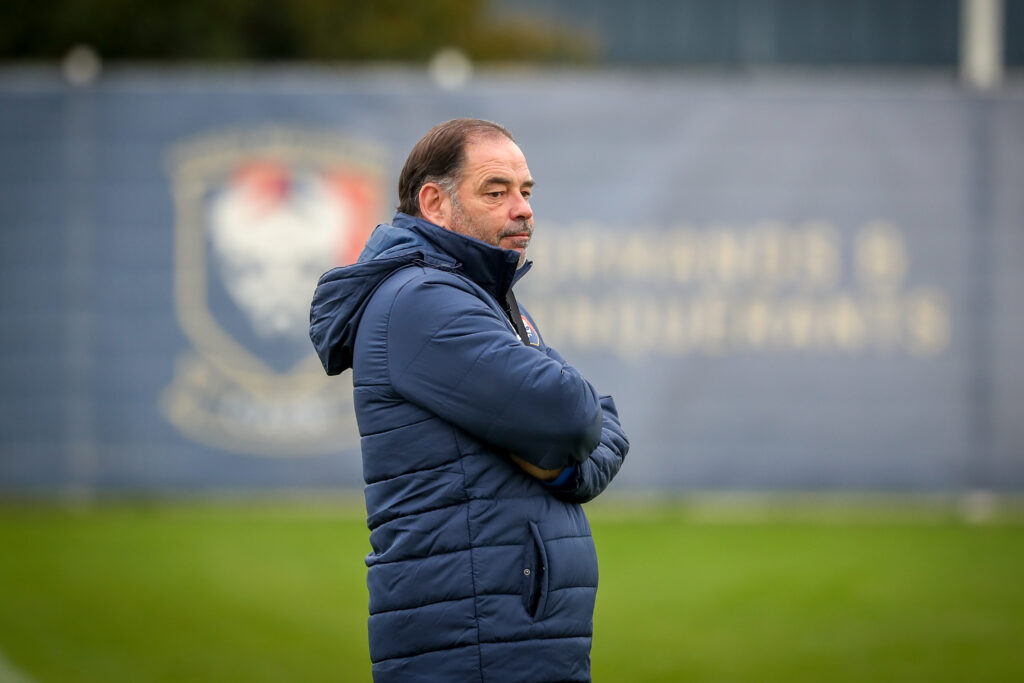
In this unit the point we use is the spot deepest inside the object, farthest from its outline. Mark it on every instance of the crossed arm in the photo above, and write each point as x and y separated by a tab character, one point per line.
451	353
592	476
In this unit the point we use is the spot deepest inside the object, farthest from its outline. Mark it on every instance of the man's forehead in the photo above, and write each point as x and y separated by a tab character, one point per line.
496	158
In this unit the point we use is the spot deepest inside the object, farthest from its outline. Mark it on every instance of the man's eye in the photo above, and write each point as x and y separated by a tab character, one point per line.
495	194
527	195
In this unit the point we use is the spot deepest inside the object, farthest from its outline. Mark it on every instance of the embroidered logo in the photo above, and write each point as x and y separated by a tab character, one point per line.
531	332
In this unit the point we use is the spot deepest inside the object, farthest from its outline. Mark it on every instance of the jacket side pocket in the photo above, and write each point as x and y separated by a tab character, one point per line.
535	574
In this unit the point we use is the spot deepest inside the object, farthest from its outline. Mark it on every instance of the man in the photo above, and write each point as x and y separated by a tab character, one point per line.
479	441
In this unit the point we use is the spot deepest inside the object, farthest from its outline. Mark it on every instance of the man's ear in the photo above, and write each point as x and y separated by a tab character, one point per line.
435	204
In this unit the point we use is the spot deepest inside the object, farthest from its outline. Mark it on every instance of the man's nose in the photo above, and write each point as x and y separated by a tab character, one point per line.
521	210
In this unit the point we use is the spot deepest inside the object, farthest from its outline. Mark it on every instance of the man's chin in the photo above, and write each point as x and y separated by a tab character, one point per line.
514	242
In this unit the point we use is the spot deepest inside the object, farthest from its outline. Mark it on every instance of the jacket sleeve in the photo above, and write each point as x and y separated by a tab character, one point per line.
592	476
455	356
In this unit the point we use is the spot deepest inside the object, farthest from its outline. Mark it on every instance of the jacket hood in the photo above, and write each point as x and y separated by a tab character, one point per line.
342	293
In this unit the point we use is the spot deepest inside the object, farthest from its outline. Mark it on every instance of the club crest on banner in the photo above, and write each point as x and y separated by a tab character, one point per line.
260	215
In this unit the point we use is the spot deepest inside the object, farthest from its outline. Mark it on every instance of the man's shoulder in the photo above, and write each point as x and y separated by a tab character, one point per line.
419	285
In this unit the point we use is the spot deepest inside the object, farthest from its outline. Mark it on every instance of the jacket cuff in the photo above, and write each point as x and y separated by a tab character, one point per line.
567	476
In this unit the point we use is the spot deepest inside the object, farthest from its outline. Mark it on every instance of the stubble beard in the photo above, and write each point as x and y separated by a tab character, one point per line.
463	224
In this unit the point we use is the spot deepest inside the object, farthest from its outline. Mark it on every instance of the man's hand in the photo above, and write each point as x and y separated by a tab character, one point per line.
534	471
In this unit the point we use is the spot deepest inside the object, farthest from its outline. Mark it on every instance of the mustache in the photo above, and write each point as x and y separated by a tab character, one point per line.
517	228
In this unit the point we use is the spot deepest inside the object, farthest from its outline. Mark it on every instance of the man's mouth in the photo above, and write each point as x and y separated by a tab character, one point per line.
520	238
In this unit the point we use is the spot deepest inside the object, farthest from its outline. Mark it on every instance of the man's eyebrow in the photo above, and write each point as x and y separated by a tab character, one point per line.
502	180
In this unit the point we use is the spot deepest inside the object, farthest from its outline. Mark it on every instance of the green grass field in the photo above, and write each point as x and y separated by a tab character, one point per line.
274	591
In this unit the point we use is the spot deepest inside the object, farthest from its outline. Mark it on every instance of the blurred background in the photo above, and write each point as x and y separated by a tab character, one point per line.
783	234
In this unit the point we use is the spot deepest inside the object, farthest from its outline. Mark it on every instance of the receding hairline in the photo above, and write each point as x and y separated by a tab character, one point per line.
440	156
475	137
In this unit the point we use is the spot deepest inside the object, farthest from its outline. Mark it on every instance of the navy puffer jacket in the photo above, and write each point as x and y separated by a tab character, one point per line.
478	571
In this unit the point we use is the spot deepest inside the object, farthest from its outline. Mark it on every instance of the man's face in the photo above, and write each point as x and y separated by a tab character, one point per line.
492	200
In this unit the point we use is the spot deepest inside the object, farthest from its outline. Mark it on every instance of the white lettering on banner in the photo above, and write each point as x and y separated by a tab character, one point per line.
767	255
768	288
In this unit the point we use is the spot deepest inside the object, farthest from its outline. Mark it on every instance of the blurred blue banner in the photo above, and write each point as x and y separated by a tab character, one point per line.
786	283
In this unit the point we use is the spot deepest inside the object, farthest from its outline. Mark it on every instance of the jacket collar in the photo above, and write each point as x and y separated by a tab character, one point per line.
493	268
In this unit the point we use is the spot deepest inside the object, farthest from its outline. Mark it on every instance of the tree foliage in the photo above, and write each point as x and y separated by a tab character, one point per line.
233	30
